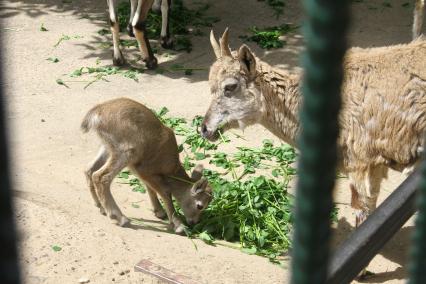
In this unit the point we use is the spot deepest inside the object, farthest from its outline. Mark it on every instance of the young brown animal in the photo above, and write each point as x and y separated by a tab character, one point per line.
132	136
382	120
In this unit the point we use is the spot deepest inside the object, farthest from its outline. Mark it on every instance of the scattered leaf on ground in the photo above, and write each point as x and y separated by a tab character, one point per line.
53	59
56	248
43	28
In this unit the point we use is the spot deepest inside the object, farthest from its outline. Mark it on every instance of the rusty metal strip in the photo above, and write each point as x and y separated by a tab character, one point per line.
162	273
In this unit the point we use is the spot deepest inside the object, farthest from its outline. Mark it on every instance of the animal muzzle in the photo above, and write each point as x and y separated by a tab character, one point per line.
192	221
211	135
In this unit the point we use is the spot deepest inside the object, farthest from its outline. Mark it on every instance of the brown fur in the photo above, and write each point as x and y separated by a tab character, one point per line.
133	136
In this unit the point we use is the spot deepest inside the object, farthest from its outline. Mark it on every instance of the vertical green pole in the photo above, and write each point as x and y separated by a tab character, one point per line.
417	267
324	30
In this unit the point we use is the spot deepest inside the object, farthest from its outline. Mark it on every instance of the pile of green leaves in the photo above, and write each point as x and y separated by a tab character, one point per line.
256	212
182	20
249	208
269	37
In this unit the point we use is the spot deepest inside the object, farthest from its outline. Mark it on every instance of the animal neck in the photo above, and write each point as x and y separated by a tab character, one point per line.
179	183
281	100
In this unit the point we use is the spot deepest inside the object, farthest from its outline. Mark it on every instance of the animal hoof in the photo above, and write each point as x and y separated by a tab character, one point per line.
151	63
130	30
167	43
360	217
180	229
124	221
102	210
160	214
118	60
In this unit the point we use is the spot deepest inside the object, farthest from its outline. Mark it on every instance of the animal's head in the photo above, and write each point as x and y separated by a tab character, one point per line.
198	197
236	101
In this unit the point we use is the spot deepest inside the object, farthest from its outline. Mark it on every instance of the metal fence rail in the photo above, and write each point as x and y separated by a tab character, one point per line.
372	235
418	251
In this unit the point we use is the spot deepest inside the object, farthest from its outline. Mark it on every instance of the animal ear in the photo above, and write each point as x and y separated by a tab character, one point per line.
197	173
247	61
199	186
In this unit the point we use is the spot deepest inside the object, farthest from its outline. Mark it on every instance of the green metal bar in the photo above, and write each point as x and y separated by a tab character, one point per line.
417	267
324	30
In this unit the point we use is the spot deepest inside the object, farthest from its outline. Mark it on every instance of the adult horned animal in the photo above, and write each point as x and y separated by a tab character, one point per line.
138	13
382	120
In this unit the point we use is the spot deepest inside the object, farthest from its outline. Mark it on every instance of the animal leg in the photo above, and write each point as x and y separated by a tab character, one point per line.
102	179
117	58
365	188
133	5
139	30
95	165
156	205
157	183
166	40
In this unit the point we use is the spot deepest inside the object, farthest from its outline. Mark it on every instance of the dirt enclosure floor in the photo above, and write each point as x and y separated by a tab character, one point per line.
52	203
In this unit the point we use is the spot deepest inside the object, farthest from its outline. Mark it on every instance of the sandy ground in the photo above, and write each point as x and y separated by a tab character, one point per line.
49	153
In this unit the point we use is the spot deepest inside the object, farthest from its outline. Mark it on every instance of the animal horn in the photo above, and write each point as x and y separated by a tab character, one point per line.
224	45
214	44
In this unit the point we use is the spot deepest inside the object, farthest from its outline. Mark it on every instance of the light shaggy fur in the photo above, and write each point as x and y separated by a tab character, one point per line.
382	120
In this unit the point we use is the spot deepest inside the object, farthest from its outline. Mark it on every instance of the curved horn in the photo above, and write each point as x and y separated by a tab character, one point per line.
215	45
224	45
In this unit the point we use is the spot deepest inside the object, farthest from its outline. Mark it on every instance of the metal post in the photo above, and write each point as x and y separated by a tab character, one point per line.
9	272
324	30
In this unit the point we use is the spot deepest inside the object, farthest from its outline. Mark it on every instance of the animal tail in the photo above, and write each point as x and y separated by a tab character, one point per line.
418	18
90	120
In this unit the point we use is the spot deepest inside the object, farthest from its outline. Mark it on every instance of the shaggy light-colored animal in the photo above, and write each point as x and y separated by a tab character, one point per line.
382	120
136	28
132	136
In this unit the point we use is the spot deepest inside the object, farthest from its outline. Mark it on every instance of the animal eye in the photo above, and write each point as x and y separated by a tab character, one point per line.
199	206
230	87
